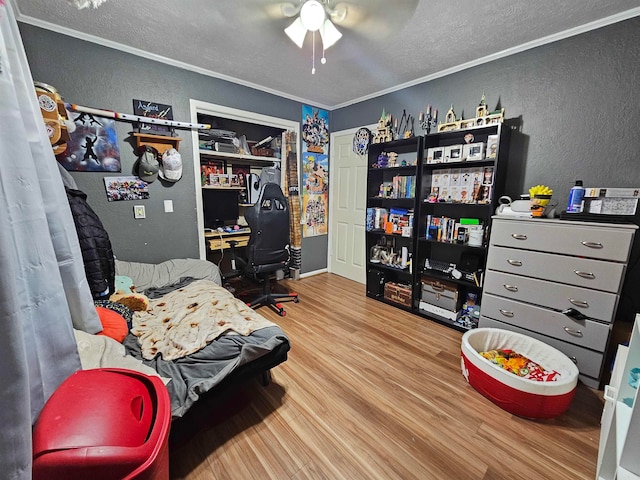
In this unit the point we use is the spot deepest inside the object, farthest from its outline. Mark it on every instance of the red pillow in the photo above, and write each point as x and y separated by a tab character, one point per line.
113	324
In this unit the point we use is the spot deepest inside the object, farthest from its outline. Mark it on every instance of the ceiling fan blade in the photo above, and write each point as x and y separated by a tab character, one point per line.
375	19
296	32
329	33
289	9
282	9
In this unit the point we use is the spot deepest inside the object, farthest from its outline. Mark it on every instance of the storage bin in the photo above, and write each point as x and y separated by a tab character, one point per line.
517	395
441	294
104	424
398	293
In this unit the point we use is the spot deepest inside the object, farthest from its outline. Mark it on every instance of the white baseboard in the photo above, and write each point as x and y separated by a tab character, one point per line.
315	272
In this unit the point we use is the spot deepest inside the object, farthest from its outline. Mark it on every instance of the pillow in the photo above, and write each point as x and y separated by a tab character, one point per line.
113	324
118	308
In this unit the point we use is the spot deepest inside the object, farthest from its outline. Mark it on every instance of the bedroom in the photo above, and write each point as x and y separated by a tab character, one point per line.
562	92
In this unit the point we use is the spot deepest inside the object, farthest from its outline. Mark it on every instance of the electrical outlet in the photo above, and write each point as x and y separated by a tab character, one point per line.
138	211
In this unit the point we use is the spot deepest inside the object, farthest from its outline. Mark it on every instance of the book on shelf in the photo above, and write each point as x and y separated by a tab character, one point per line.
446	229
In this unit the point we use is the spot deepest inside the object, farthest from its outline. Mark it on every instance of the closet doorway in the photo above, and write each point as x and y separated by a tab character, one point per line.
231	119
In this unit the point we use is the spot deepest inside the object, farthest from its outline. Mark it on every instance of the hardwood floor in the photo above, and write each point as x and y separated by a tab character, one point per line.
372	392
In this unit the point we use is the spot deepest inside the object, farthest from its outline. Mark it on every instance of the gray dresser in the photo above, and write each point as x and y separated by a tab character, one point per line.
539	268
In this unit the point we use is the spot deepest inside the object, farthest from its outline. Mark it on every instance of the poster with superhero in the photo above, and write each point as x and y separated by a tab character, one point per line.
93	146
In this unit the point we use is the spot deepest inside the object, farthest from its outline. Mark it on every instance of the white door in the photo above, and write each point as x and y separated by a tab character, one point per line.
347	207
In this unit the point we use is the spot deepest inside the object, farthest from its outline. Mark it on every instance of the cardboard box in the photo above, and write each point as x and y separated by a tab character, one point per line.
440	312
398	293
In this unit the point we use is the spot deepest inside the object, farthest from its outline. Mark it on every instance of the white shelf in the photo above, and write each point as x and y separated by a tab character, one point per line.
215	187
236	156
620	430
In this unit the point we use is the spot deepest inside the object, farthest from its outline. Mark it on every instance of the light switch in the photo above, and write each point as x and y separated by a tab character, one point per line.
138	211
168	206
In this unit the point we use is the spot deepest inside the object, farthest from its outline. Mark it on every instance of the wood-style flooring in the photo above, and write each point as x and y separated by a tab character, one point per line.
372	392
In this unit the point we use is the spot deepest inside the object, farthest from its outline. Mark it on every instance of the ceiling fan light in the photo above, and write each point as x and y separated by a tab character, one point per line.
312	15
329	33
296	32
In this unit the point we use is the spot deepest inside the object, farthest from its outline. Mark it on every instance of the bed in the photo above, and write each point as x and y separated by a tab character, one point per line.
228	359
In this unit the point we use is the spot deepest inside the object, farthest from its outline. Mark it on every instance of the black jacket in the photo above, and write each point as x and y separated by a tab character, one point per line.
99	263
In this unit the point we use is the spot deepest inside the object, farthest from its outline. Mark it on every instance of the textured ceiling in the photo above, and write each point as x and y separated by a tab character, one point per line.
386	44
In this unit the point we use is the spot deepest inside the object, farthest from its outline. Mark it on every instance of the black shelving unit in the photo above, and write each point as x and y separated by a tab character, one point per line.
463	194
392	187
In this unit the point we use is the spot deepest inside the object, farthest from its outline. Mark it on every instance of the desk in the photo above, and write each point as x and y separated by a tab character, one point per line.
220	240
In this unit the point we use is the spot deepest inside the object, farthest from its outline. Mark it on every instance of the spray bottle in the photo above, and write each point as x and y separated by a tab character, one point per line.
576	195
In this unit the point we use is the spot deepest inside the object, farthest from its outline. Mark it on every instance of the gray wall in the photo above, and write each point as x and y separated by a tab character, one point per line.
574	104
95	76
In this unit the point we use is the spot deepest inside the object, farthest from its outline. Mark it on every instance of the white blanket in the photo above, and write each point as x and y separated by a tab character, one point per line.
185	320
98	351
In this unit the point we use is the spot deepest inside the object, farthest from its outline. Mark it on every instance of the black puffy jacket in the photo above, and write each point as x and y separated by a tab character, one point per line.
99	263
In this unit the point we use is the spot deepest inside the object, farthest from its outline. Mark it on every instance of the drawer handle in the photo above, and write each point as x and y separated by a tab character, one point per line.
511	288
582	274
515	263
437	288
506	313
574	360
579	303
571	331
592	244
519	236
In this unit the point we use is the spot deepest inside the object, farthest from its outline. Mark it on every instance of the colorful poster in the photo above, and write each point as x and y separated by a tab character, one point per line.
315	171
126	188
93	146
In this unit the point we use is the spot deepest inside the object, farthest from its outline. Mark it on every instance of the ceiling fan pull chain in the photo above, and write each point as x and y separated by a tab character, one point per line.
313	57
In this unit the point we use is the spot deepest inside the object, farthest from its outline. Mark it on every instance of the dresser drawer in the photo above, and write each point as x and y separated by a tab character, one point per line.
580	239
583	272
589	362
585	333
592	303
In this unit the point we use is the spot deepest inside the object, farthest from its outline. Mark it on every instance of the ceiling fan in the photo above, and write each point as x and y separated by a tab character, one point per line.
372	19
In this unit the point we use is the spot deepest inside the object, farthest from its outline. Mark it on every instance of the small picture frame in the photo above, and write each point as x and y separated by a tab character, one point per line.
453	153
474	151
435	155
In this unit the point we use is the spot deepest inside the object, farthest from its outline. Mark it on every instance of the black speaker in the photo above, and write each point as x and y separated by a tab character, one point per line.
375	282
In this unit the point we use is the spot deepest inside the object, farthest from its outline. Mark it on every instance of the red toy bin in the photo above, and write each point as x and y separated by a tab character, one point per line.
104	424
519	396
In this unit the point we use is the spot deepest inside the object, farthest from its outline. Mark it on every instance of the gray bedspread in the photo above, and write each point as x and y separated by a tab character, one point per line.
199	372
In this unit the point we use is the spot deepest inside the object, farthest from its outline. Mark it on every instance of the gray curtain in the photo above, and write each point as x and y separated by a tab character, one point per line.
43	288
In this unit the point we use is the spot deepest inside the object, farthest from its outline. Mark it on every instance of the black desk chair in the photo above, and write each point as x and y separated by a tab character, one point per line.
268	248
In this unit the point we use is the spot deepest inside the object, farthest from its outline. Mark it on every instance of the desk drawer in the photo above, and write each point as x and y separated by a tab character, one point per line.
584	240
222	243
592	303
588	362
585	333
583	272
